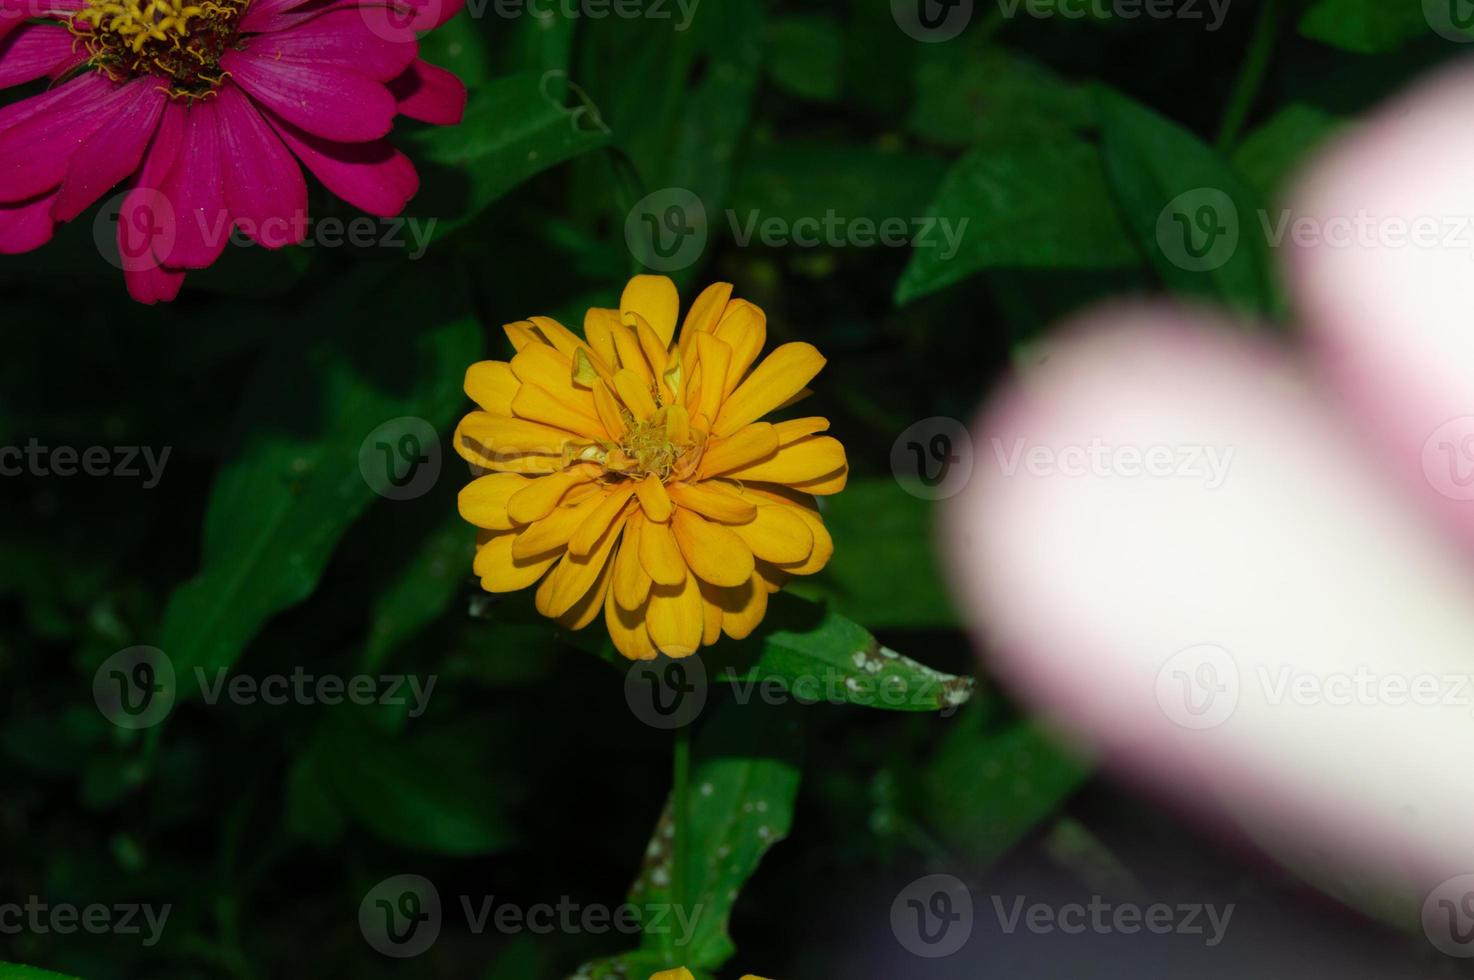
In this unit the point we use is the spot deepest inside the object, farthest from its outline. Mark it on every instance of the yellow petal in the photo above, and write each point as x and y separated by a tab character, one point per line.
660	555
551	534
634	391
627	630
777	534
537	498
653	498
470	445
744	328
679	973
715	358
598	326
803	505
607	409
792	430
631	354
595	529
780	376
745	447
536	404
713	501
576	574
655	298
809	459
704	313
711	615
483	501
586	610
712	551
522	334
491	384
677	425
500	571
541	365
826	485
675	618
650	345
496	434
631	583
565	340
743	607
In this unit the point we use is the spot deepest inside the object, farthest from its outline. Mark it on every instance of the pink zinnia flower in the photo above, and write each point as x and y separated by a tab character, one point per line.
208	105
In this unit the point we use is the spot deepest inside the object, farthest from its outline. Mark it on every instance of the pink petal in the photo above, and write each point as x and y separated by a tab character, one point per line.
261	15
1393	314
430	94
195	188
374	177
112	152
26	226
264	188
36	50
90	86
1156	613
35	148
341	39
146	221
324	100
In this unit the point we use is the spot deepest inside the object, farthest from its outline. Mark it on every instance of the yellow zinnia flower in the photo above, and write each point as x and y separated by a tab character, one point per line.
633	474
681	973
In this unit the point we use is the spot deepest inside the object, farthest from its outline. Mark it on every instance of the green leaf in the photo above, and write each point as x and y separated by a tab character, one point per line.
291	484
1366	26
515	127
1270	155
791	180
1034	204
744	780
1193	215
14	971
422	590
968	94
426	791
805	53
819	655
993	781
884	568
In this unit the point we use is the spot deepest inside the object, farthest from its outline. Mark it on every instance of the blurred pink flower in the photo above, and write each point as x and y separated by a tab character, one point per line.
1244	570
206	109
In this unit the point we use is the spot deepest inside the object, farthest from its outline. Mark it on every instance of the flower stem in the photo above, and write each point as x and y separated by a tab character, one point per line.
1251	74
680	813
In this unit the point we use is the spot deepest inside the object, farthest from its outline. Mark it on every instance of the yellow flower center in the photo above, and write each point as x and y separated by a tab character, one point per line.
179	41
663	445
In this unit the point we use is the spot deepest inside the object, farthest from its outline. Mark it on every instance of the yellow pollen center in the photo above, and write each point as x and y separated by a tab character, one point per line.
178	41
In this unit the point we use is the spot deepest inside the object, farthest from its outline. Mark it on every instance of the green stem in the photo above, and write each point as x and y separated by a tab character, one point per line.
680	814
1251	75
